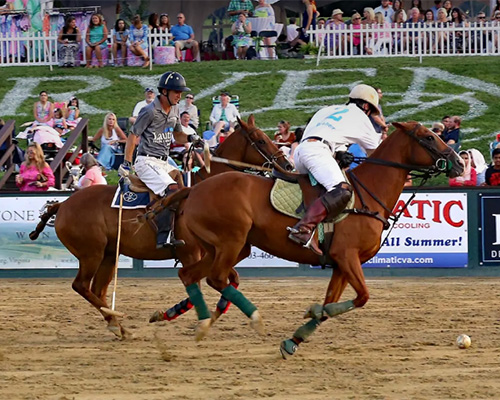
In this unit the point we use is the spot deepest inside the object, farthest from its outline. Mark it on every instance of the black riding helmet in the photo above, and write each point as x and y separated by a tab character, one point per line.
173	81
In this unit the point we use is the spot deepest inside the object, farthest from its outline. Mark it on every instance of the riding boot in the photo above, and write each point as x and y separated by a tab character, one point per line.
304	231
330	205
164	221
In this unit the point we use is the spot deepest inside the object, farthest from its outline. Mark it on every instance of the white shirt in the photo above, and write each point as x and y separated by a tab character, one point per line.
291	32
342	126
231	113
386	12
193	113
188	130
138	107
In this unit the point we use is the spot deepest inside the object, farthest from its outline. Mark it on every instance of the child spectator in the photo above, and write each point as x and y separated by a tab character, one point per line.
492	175
478	162
438	129
73	112
120	41
93	173
60	122
469	176
96	38
35	174
111	136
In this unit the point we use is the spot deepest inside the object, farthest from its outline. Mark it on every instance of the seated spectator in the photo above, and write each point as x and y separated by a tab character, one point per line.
120	41
478	162
72	114
469	176
441	37
154	28
183	36
414	21
298	137
380	41
457	36
149	96
438	128
187	105
241	30
186	127
138	39
60	122
93	173
283	136
480	37
292	30
69	43
335	41
369	16
111	136
496	23
492	175
43	110
452	135
224	117
164	27
96	39
35	174
417	4
448	8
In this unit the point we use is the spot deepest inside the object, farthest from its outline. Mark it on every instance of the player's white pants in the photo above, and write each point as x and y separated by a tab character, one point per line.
317	158
154	173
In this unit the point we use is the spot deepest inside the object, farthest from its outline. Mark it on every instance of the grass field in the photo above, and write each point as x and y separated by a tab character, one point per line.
285	89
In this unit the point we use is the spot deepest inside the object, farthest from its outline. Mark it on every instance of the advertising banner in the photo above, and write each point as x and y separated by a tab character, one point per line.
257	258
489	225
432	232
18	217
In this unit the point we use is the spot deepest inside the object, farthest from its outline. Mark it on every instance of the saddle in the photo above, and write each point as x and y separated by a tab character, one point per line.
139	186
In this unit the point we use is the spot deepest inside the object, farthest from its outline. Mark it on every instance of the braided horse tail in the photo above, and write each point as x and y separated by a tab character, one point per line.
45	217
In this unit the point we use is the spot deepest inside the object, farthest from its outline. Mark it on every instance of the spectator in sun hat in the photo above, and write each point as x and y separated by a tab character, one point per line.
224	116
149	96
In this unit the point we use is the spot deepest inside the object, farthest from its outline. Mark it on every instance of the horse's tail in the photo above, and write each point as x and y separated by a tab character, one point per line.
51	211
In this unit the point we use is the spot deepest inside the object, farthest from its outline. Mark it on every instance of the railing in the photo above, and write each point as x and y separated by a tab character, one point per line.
58	165
7	159
21	49
418	40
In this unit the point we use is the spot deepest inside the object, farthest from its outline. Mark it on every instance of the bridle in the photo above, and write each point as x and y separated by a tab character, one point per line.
442	164
270	160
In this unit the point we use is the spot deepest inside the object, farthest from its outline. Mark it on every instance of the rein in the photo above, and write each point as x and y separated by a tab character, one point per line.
441	165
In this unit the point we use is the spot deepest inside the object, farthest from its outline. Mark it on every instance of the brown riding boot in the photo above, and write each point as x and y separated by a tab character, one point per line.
303	231
164	221
329	205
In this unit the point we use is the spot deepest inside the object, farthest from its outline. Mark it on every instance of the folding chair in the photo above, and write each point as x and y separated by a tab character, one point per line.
264	47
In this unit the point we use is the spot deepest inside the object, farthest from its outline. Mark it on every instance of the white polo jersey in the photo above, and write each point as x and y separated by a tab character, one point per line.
343	125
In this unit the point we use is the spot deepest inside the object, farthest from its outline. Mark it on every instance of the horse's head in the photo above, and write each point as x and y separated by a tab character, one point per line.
262	151
430	151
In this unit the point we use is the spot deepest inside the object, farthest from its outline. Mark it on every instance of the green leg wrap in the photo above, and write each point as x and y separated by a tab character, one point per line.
307	329
239	300
198	301
333	309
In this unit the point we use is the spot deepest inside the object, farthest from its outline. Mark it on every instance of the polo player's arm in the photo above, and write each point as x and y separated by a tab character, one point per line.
130	147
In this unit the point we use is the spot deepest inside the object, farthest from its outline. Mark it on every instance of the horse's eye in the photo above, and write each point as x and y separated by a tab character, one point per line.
430	138
261	141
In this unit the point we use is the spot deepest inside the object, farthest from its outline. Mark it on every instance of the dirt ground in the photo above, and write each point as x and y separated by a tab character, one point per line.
53	345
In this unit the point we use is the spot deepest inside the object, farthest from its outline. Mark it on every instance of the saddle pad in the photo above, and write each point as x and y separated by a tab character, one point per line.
286	197
131	199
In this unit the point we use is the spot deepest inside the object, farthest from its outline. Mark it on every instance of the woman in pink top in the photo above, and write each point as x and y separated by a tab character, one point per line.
93	172
35	174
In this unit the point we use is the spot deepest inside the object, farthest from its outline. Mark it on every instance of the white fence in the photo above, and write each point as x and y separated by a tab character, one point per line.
406	41
42	49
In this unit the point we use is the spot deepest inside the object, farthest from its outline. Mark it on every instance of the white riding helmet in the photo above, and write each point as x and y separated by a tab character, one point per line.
366	93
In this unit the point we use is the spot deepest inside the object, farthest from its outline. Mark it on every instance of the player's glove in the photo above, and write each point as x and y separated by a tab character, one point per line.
124	169
344	158
194	138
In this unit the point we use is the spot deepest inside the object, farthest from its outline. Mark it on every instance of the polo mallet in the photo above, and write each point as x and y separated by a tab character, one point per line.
206	156
113	298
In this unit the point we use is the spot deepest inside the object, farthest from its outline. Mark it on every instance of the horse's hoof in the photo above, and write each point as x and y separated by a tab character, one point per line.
202	328
126	334
116	329
315	311
288	348
257	323
157	316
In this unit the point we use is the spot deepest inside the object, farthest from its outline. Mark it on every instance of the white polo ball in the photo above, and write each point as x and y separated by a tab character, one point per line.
463	341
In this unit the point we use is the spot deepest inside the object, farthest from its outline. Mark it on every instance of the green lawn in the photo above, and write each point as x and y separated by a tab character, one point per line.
283	89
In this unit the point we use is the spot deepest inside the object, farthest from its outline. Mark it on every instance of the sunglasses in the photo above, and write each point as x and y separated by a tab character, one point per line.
354	19
189	97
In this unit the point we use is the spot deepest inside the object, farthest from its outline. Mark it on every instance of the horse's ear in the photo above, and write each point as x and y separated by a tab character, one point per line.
400	125
251	120
242	123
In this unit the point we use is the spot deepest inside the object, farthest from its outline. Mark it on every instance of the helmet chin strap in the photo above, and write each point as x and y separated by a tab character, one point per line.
168	98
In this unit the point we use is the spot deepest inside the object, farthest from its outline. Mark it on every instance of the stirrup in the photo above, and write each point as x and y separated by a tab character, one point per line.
172	244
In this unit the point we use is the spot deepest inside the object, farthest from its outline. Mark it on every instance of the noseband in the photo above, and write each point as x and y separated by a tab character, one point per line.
270	160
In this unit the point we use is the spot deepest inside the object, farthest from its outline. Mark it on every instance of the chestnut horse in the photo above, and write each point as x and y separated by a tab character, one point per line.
227	222
87	225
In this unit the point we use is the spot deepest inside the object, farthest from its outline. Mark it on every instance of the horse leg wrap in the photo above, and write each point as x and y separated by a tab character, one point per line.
198	301
177	310
306	330
223	304
333	309
232	294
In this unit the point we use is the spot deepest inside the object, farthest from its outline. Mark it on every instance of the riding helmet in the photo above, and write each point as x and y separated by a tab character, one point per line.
173	81
365	93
